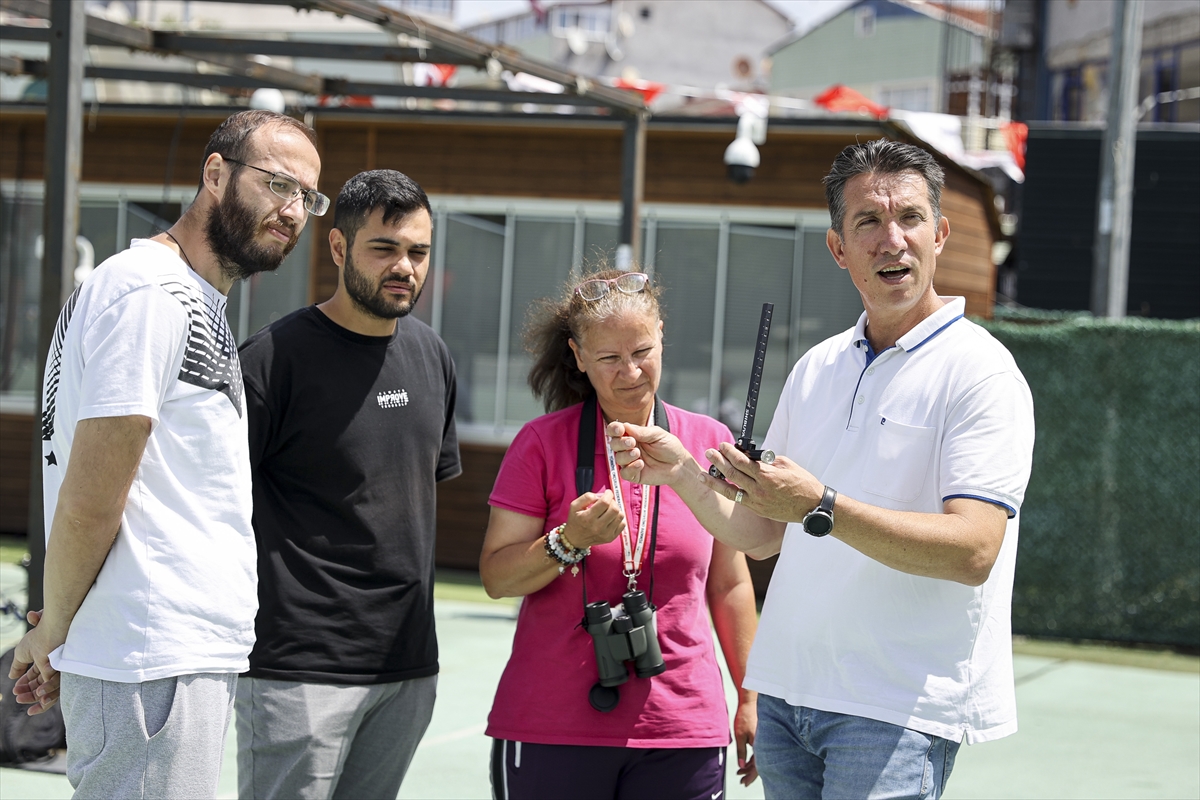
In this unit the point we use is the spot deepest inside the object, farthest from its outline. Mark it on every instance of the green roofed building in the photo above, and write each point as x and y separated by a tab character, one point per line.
899	53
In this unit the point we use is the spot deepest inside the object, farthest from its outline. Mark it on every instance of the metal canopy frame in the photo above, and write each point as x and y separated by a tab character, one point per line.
434	44
424	42
418	41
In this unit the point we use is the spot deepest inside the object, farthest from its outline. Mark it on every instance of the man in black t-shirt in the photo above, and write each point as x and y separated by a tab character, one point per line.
351	416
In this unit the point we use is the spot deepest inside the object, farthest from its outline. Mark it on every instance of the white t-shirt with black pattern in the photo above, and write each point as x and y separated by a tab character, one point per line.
145	335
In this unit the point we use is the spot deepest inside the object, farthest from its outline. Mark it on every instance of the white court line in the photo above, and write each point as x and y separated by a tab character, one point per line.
454	736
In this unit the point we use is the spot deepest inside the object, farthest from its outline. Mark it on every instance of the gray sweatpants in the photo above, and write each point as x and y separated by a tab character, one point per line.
316	740
157	739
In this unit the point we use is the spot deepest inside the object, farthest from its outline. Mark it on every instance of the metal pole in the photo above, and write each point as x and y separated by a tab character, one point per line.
718	338
505	334
945	60
60	225
633	172
1114	207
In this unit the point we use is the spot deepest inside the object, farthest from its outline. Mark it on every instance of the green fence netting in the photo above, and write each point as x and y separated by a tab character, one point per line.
1110	529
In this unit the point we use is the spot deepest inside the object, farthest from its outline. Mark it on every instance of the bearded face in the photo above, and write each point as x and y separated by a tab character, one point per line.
236	234
370	296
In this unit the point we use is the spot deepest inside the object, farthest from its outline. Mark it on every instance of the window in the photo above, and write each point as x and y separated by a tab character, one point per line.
864	22
439	8
492	260
1189	78
507	31
592	22
913	98
109	217
1169	70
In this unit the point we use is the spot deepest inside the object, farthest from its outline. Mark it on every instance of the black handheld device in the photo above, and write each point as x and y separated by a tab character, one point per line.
745	443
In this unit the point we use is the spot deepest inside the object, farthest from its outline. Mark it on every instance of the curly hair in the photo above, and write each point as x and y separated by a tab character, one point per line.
553	322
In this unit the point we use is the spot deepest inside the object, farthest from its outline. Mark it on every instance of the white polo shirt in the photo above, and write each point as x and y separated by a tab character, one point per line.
945	413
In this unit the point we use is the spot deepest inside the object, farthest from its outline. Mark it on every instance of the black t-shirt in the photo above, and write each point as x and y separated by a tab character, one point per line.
348	436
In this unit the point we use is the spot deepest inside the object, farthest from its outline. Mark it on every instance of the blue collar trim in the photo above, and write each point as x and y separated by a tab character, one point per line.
921	343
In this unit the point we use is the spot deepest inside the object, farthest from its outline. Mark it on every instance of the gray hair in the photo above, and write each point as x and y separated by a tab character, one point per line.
553	322
884	157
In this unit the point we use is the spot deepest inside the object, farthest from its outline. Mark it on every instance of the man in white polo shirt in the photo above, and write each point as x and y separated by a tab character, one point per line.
904	448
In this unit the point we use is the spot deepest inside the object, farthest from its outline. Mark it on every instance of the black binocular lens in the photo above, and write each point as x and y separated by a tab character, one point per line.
631	636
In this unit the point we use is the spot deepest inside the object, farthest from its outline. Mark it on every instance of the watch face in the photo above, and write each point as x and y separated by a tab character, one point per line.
818	523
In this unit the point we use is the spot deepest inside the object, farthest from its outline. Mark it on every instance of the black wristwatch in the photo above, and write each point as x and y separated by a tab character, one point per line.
819	521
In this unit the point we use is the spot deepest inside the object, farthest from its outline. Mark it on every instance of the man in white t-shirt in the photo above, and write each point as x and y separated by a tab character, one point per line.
903	451
150	579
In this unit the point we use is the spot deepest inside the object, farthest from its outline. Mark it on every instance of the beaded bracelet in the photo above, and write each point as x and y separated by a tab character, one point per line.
562	552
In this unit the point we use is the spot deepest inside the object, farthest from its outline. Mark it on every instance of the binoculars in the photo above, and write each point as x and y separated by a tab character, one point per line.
631	636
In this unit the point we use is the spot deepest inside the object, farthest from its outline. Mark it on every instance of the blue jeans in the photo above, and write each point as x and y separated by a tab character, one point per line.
805	753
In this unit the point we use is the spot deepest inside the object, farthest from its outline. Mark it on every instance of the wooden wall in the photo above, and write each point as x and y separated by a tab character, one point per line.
16	437
965	265
462	509
552	161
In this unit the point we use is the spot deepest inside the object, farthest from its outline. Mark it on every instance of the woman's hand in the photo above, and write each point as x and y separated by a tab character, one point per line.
514	562
594	519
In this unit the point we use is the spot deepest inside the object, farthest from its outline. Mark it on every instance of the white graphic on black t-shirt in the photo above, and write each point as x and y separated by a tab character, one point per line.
393	399
211	359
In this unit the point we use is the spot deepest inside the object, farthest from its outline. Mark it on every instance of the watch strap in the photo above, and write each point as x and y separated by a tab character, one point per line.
827	500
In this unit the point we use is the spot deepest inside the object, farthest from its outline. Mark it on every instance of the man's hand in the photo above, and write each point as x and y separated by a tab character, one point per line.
104	461
653	456
37	681
745	725
782	491
648	455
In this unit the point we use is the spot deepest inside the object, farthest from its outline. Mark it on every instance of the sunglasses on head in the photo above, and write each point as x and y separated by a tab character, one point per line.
629	283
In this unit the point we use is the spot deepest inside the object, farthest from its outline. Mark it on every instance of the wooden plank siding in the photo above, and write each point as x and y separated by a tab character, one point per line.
547	160
567	161
462	509
16	438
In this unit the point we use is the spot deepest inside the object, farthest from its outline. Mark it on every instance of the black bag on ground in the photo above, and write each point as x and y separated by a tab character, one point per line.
25	739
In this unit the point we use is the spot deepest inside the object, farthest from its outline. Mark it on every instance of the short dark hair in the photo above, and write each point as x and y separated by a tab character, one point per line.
884	157
232	137
394	192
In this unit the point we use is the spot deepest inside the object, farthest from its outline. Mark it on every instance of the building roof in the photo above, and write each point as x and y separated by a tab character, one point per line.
977	21
546	7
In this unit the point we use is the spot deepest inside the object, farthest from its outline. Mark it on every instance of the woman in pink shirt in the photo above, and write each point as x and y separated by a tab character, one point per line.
663	731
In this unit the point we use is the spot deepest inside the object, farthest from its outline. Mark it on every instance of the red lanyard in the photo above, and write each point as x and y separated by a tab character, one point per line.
632	552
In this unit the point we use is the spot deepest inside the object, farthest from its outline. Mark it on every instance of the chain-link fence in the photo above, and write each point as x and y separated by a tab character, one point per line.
1110	531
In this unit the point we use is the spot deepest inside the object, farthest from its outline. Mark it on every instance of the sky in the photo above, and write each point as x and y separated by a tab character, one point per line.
803	13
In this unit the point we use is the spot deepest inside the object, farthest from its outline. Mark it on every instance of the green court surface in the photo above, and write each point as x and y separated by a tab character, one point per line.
1095	722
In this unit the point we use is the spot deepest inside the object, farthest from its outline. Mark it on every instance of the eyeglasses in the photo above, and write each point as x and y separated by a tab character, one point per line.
629	283
289	189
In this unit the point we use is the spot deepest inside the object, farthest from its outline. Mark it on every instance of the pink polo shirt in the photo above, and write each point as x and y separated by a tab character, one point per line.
543	694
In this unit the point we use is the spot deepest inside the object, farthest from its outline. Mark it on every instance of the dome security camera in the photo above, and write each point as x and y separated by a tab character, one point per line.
741	157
